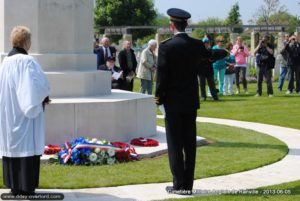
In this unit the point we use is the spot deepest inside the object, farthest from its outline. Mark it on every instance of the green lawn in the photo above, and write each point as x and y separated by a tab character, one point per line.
231	150
281	110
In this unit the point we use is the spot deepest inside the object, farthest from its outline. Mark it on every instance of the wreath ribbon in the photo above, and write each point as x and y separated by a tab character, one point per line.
69	150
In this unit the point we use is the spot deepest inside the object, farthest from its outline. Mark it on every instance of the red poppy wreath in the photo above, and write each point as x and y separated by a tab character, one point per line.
144	142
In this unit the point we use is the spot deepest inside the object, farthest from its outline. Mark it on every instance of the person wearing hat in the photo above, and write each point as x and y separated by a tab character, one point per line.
179	59
116	72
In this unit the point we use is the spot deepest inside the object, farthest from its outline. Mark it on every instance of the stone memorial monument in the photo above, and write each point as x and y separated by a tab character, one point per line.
83	103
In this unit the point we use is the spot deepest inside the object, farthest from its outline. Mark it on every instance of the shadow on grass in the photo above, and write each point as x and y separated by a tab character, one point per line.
249	145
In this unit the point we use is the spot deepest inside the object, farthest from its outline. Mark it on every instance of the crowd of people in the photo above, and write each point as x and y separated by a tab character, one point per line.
224	72
236	64
127	71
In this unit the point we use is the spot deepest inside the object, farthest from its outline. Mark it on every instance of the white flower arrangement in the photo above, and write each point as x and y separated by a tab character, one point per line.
111	152
97	150
94	140
93	157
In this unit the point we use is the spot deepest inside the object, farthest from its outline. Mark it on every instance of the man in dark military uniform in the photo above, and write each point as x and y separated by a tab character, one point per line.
177	90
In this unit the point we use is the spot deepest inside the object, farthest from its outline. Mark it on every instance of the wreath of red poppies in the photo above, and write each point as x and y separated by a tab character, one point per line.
51	149
128	153
144	142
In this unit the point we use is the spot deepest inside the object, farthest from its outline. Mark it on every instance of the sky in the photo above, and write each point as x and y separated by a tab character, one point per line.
203	9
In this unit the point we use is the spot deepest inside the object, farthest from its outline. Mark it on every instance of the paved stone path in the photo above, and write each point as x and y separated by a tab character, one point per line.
285	170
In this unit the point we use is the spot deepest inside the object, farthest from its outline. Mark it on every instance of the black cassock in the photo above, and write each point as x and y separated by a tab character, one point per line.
21	174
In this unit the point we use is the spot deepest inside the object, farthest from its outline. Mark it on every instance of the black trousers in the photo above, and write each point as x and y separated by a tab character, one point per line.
21	175
211	85
294	72
237	77
264	71
181	140
127	85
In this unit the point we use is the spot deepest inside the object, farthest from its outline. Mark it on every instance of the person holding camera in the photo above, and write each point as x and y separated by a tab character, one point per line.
264	53
207	75
240	52
293	49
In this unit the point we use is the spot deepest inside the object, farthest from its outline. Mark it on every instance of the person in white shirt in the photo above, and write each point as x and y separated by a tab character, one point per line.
24	91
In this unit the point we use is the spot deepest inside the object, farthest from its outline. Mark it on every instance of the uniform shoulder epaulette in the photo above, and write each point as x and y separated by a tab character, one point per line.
164	41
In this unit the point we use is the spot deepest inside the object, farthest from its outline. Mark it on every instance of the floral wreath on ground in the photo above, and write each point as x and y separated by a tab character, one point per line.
82	151
144	142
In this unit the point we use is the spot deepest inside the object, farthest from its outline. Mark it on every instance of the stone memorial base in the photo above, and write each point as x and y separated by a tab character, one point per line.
119	116
65	84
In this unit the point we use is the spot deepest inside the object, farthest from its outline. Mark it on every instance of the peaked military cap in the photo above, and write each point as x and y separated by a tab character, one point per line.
178	15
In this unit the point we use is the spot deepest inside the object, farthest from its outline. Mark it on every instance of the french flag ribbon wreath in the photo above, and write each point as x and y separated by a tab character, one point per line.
69	150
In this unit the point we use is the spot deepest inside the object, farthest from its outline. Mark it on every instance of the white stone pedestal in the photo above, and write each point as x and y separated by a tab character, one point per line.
82	101
79	83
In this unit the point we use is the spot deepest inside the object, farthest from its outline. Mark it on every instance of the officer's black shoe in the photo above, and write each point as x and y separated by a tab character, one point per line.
15	192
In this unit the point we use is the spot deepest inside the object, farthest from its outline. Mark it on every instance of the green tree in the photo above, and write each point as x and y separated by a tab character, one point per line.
125	13
234	18
281	18
161	20
266	10
212	21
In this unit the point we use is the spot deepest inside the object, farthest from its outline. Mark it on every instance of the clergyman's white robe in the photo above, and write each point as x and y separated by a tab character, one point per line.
23	87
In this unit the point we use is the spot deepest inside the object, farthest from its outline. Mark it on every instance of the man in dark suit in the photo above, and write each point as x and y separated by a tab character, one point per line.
104	51
128	65
179	60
